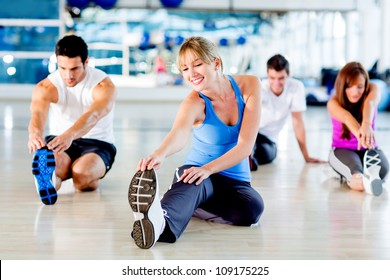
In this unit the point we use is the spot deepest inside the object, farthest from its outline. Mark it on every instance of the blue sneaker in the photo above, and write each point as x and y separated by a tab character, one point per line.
43	167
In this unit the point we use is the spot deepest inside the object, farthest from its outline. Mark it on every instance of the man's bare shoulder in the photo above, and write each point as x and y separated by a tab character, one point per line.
45	85
106	82
46	90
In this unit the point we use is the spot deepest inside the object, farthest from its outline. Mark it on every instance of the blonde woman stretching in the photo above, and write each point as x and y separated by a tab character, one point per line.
214	182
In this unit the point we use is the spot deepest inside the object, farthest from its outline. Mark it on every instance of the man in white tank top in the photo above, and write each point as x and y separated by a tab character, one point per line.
78	101
281	96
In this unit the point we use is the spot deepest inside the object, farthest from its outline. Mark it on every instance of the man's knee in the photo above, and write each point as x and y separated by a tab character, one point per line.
84	182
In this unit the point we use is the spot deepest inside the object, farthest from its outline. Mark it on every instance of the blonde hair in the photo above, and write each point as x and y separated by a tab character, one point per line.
200	47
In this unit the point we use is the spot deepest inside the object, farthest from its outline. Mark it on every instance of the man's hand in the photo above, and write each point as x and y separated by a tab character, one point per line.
35	142
60	143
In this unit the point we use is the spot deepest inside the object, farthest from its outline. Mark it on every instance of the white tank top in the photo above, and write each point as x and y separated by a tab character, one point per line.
75	101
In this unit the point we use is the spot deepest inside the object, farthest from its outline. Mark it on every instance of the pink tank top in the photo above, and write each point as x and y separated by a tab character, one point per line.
338	142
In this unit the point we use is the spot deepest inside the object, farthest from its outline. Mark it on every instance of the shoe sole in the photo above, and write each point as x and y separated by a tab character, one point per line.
43	166
376	187
372	167
142	192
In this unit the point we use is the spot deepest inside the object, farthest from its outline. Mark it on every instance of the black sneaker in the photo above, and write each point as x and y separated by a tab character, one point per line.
145	203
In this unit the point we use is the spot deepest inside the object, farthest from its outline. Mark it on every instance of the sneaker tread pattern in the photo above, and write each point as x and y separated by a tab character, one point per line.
142	192
43	166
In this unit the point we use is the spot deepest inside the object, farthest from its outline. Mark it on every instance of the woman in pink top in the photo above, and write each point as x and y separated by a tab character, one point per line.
355	154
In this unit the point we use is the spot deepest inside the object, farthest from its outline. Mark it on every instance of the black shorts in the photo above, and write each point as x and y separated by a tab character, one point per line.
82	146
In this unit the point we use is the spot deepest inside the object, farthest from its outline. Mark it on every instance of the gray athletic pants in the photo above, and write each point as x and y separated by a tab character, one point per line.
348	162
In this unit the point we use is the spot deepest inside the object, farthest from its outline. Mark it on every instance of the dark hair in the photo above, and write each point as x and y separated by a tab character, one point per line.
278	63
72	46
345	78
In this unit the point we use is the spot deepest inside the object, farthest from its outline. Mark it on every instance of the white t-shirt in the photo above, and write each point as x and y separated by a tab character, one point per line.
275	110
74	101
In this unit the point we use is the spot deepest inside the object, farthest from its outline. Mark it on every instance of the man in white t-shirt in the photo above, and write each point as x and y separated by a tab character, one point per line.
79	101
281	96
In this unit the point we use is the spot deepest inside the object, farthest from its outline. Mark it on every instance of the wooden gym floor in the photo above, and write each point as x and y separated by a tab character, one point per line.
308	214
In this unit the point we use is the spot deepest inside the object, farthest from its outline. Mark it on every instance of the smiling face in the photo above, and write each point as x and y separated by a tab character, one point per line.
199	63
72	69
355	89
196	72
277	80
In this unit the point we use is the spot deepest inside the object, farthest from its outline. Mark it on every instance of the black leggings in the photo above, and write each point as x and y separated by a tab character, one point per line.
218	198
265	150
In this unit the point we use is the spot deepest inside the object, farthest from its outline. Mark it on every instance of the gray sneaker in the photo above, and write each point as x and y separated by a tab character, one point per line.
145	203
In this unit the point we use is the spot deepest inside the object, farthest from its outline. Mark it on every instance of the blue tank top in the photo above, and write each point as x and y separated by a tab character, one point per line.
213	138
